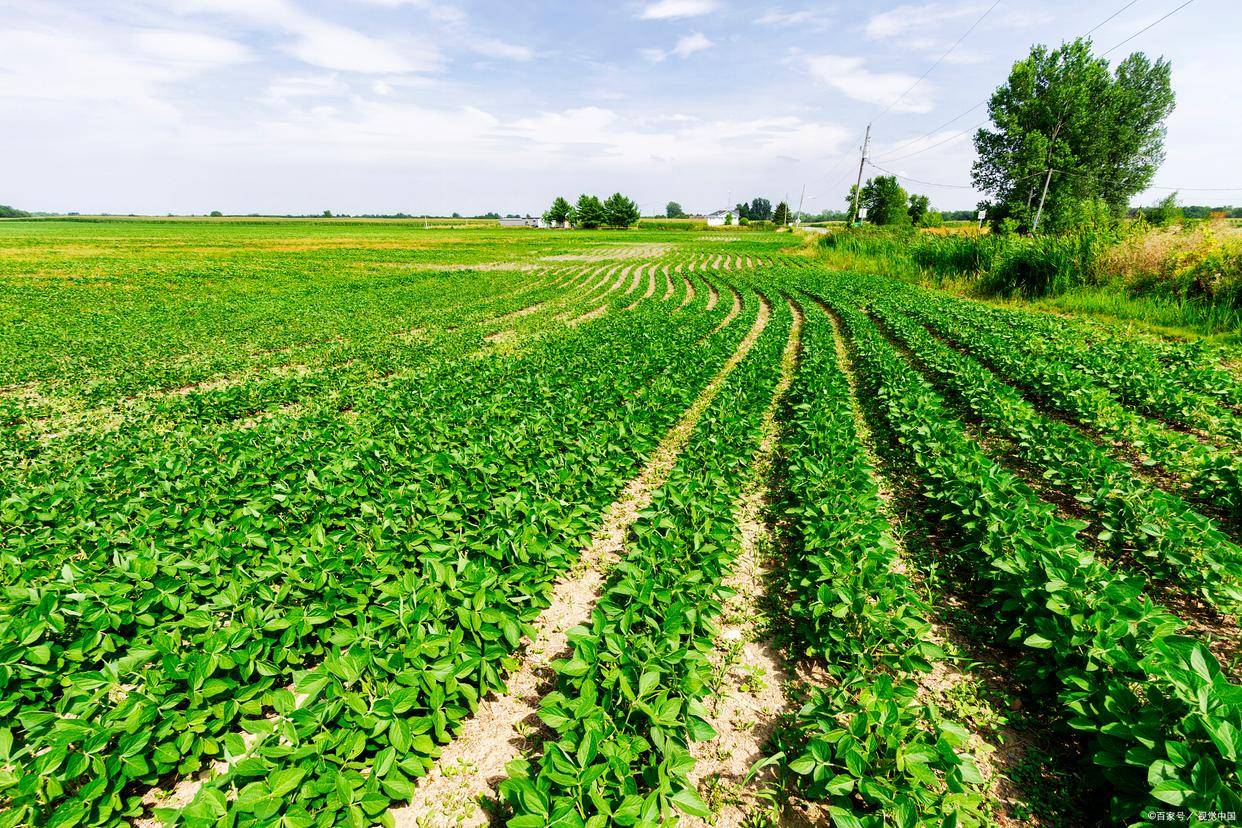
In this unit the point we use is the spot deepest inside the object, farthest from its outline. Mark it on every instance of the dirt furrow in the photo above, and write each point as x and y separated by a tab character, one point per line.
751	694
473	764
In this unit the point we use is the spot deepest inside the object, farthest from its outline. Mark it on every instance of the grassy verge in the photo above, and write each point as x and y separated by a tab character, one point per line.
1181	282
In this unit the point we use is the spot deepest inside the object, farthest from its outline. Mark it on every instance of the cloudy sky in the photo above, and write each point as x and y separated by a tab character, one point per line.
439	105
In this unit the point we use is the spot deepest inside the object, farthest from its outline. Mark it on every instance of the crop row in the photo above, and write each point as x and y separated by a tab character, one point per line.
629	698
1162	532
1162	719
1212	474
1133	382
172	594
868	743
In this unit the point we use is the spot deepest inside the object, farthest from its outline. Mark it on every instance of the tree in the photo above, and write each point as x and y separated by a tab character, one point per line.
1166	212
216	214
620	211
1102	134
729	219
743	211
589	212
781	216
327	214
885	200
559	212
673	210
760	209
919	207
12	212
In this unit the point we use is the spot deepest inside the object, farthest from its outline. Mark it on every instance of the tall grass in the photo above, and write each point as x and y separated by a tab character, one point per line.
1188	278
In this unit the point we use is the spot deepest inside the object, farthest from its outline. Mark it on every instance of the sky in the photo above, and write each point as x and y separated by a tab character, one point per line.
435	106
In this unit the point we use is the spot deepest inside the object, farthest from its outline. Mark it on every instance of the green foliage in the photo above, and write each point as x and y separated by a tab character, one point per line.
1062	109
729	218
1164	212
216	214
673	210
885	200
560	211
1160	714
589	212
630	696
620	211
12	212
919	207
781	216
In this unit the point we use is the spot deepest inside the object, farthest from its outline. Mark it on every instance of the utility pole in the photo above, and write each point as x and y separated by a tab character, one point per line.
861	162
1048	178
800	199
1040	211
787	219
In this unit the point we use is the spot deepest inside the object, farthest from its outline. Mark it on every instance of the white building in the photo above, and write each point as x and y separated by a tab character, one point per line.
718	218
526	221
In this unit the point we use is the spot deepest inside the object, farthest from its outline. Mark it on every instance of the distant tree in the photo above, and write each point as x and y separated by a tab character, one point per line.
620	211
12	212
729	219
588	212
1165	212
673	210
455	214
919	206
1062	109
931	219
743	210
559	211
781	216
760	209
885	200
327	214
213	214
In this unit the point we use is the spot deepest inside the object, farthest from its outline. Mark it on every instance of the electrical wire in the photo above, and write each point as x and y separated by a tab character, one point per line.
888	156
1148	26
939	60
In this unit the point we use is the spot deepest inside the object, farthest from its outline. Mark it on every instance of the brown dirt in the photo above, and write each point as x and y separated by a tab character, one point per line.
751	695
587	317
473	764
713	295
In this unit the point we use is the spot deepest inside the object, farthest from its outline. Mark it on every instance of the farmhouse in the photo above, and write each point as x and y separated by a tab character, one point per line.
717	218
527	221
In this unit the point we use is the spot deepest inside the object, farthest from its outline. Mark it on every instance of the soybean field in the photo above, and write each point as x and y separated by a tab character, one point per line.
311	523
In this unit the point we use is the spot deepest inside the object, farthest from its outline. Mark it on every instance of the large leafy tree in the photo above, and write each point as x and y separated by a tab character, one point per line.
919	207
781	215
620	211
588	212
760	209
885	200
559	211
1062	109
673	210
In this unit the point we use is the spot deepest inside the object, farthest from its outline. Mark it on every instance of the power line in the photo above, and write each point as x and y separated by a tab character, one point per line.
1110	17
888	156
1148	26
939	60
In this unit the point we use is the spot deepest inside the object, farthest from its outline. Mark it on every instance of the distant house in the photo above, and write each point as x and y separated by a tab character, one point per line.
718	218
524	221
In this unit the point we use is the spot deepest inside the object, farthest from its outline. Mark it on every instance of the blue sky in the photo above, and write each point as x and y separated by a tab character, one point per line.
434	105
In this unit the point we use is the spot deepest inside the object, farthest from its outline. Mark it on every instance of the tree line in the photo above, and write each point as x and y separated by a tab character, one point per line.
589	212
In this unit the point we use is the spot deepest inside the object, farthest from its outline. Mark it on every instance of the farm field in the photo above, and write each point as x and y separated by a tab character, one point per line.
314	523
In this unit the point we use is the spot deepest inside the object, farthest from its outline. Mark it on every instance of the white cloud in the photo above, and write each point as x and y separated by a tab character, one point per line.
676	9
931	16
190	47
323	43
685	46
908	18
805	17
434	9
850	76
500	49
